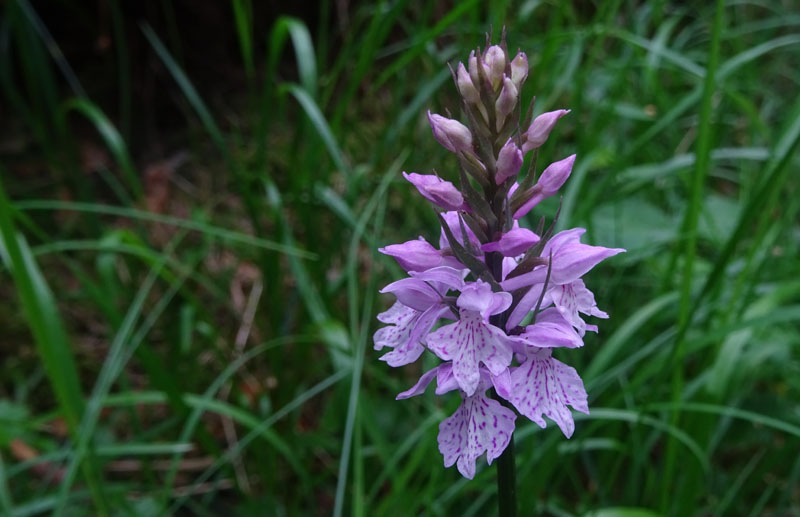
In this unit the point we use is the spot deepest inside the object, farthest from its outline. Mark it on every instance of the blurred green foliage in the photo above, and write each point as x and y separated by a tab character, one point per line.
187	316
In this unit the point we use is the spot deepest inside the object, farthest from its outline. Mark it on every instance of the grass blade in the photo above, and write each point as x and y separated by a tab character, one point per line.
690	224
51	339
188	224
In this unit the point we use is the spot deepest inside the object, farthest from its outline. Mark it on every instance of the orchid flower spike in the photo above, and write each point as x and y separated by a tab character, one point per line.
495	301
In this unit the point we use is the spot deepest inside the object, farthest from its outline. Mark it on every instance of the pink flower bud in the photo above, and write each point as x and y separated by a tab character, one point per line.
495	59
466	86
417	255
555	175
436	190
413	293
519	69
452	134
552	178
540	129
472	63
508	162
506	101
513	243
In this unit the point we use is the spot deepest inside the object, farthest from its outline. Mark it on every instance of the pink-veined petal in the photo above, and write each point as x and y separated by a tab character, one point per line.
469	342
572	298
479	425
544	386
550	330
409	350
401	320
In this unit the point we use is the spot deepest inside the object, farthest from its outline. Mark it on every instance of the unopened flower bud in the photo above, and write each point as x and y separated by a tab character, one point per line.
552	178
495	59
466	86
540	129
436	190
506	101
519	69
472	63
508	162
452	134
513	243
416	255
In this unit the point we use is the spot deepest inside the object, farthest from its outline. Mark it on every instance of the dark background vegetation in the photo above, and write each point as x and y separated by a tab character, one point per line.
191	198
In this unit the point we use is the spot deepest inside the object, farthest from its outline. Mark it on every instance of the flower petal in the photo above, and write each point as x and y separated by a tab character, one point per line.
420	386
468	343
413	293
475	296
415	255
443	278
544	386
451	218
436	190
550	330
526	305
407	351
574	260
401	319
572	298
479	425
513	243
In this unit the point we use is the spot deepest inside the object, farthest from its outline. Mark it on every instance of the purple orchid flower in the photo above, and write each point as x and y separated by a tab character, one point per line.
496	300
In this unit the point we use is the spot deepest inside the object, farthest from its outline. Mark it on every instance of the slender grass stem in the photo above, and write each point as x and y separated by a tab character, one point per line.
690	225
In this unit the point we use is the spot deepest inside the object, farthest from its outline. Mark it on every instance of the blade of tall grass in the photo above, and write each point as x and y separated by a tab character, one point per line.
188	224
733	412
52	343
634	417
614	344
243	16
148	256
320	125
656	48
691	220
721	508
6	503
52	47
296	403
421	40
144	449
112	366
359	338
767	191
112	138
360	50
303	51
401	451
314	302
193	419
241	179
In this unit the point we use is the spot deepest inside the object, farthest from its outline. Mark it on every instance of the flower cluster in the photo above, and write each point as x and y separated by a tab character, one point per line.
508	295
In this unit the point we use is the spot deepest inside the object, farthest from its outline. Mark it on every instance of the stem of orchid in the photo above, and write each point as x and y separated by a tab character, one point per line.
506	463
507	478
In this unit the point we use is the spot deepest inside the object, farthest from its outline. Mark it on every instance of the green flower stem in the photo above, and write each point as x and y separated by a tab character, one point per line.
507	478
